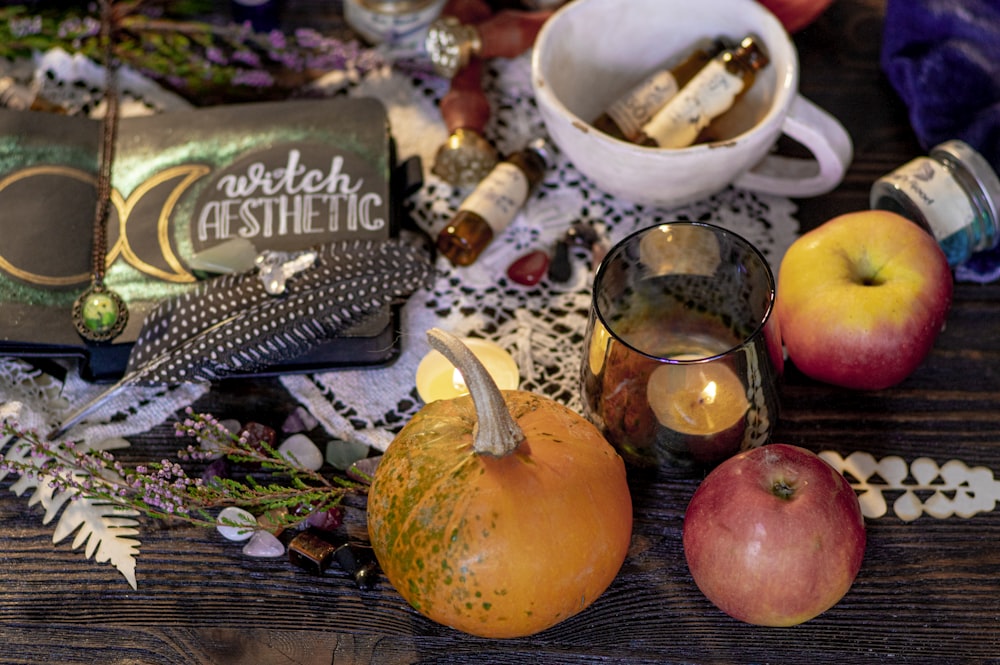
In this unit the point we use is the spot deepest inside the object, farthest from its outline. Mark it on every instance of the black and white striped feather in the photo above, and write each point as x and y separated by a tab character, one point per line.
231	324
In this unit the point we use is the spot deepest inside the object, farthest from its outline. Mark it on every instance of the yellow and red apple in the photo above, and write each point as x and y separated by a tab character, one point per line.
861	299
774	536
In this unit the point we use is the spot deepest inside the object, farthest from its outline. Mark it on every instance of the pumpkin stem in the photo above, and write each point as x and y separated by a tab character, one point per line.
496	433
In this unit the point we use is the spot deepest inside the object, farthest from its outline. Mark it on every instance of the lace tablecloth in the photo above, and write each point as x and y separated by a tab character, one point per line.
541	326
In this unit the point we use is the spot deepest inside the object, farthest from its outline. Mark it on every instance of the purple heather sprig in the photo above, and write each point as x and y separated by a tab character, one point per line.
204	62
164	490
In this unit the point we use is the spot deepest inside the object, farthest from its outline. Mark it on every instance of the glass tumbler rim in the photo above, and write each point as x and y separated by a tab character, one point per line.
617	248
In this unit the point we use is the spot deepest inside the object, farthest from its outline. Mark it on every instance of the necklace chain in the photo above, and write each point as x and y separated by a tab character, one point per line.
109	132
99	314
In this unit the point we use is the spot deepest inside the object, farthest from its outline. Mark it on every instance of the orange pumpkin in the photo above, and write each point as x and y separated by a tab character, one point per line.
499	514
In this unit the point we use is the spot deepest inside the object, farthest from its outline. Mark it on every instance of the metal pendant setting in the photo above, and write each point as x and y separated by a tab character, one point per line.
99	314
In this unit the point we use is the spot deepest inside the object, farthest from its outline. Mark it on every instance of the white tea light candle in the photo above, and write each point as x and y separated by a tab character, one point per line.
702	399
438	379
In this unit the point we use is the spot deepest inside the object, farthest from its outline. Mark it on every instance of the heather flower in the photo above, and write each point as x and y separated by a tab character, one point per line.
248	58
23	27
253	79
215	55
309	38
277	40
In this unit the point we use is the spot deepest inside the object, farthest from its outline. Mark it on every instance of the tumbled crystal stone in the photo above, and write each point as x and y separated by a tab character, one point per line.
274	520
257	433
364	469
212	445
530	268
311	552
358	562
301	451
264	544
218	468
235	523
233	255
299	420
326	520
342	454
561	269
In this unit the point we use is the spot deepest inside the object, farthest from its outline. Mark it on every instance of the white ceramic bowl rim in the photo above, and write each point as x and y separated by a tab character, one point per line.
773	35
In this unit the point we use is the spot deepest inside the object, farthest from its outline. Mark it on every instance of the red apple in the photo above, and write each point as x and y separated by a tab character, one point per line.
862	298
774	536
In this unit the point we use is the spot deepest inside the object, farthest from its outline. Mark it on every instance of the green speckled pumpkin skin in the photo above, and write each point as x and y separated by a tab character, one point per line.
500	547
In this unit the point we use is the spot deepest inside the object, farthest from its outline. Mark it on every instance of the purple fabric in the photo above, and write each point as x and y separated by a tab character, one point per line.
943	59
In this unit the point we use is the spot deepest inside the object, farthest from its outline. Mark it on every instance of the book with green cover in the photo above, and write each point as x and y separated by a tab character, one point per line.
284	175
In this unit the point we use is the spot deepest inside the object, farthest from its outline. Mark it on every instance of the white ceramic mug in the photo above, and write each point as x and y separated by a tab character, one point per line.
591	52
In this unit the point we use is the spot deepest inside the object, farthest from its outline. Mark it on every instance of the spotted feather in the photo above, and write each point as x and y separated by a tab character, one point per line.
232	324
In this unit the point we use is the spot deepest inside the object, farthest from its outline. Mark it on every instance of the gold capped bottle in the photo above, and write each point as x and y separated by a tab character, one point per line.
493	204
624	119
712	92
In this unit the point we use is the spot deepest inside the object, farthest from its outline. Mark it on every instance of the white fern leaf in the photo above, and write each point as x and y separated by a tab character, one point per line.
104	528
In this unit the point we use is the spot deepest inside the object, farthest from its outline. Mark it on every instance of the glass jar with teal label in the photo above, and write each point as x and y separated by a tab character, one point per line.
953	193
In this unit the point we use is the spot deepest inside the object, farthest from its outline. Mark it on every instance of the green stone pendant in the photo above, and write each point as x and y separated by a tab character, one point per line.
99	314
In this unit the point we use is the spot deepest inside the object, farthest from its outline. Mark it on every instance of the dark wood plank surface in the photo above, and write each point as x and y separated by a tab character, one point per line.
928	591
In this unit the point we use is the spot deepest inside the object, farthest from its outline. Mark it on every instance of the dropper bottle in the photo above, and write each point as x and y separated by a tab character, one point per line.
493	204
624	119
712	92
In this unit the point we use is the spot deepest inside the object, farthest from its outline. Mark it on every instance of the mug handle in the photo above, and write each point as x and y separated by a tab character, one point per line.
823	136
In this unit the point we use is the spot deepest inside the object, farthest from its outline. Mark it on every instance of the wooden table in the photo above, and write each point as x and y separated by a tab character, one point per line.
928	591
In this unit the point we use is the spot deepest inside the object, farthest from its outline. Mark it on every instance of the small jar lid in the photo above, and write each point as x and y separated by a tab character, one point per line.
961	152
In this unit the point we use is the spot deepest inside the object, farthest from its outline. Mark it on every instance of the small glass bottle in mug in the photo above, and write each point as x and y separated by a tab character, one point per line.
953	193
493	204
712	92
624	119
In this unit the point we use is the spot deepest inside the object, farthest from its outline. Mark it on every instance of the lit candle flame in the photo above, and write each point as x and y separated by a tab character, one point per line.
708	392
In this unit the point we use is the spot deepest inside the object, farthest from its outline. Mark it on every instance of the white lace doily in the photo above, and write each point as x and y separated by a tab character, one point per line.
542	326
45	400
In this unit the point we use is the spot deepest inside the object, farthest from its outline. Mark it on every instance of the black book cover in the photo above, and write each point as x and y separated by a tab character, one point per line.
285	175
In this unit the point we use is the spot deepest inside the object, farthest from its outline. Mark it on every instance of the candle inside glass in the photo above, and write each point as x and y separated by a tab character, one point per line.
696	401
438	379
698	398
682	357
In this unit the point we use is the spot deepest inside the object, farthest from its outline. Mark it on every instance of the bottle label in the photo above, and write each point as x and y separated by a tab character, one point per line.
708	95
499	196
633	110
943	202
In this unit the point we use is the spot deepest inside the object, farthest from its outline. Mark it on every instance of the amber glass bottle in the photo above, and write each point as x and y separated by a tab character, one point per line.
712	92
624	119
493	204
